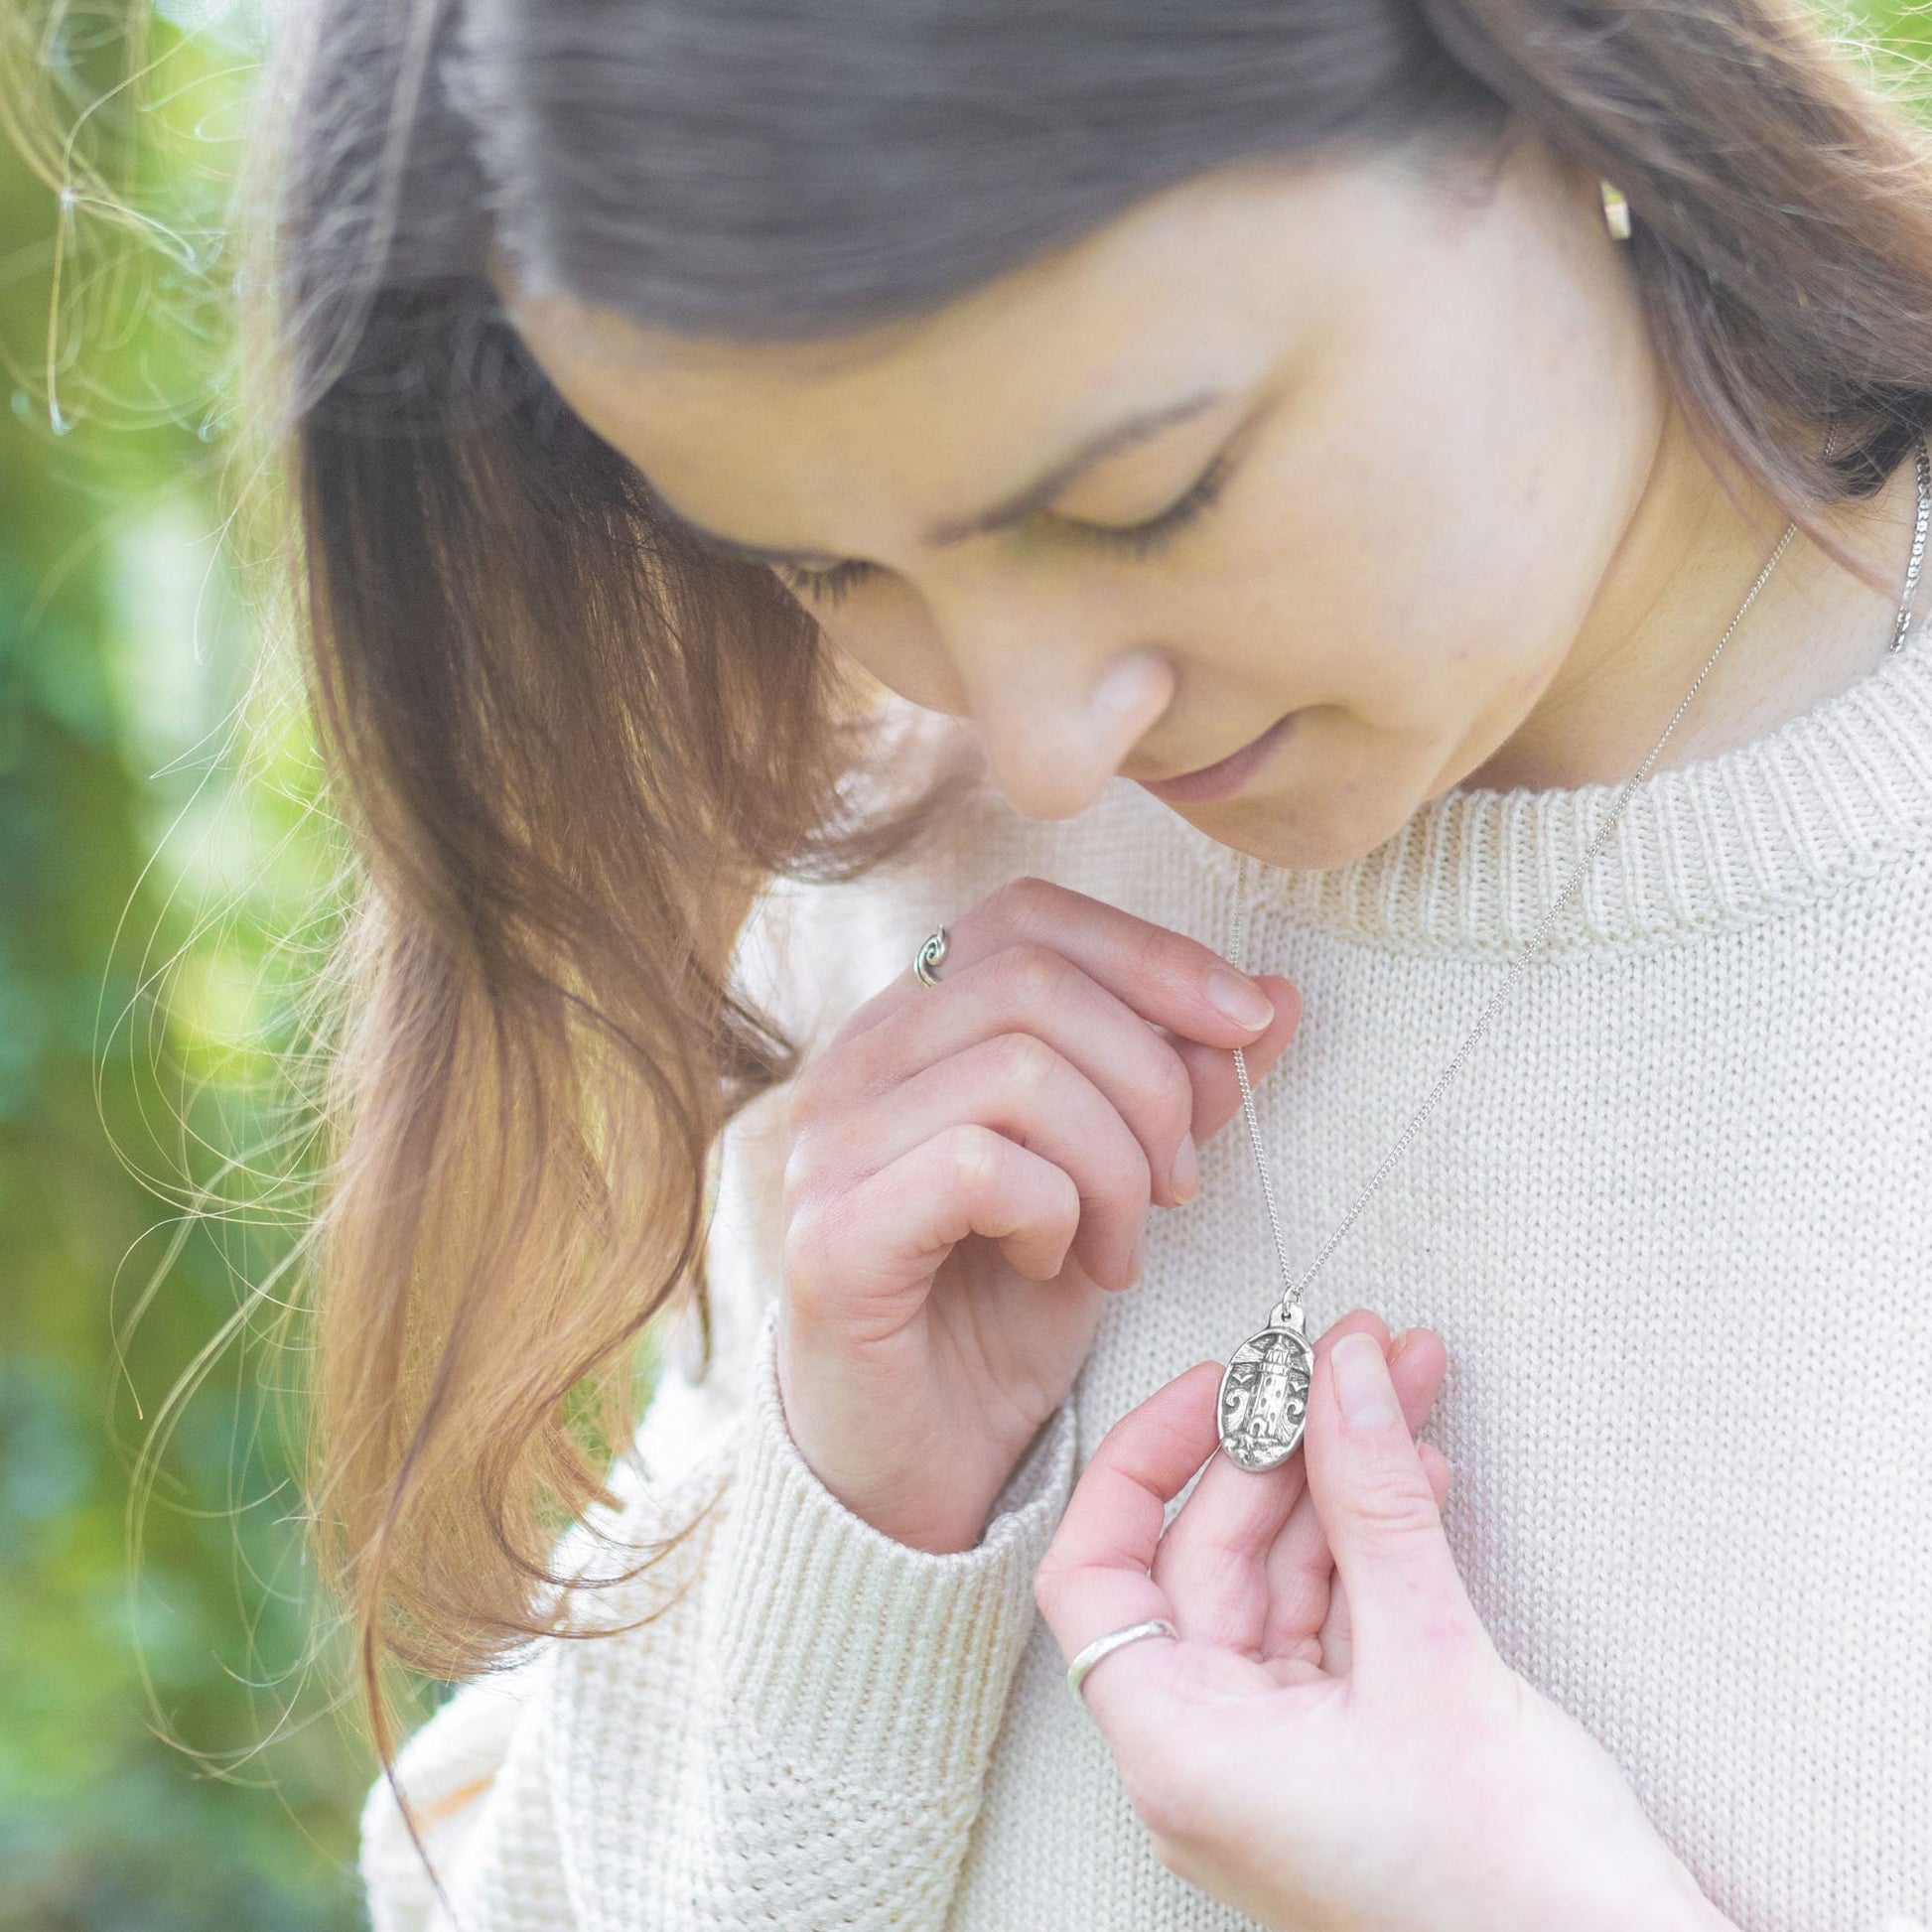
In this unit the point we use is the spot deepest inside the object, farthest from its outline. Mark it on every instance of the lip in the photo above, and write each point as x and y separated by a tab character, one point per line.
1225	777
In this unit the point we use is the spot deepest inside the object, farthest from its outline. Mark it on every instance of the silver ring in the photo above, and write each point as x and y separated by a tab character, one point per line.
932	949
1091	1654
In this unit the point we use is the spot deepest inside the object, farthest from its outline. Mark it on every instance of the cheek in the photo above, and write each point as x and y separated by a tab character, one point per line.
1357	583
1449	491
1431	590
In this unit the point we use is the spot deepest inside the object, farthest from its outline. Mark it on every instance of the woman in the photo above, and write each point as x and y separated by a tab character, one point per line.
1072	493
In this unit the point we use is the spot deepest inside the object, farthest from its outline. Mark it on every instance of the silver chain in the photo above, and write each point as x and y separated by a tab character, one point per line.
1292	1289
1918	543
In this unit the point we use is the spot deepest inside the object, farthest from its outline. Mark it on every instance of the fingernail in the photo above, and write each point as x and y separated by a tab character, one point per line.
1186	1169
1137	1260
1241	1000
1362	1382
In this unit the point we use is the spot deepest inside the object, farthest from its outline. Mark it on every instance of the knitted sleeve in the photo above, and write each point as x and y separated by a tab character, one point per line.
795	1736
786	1719
855	1689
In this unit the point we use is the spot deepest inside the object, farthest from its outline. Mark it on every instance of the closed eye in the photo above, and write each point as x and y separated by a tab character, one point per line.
825	586
1134	539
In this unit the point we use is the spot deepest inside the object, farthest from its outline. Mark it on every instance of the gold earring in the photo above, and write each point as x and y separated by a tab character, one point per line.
1616	211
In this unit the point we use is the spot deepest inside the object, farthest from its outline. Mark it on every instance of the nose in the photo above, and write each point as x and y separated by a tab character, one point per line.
1052	745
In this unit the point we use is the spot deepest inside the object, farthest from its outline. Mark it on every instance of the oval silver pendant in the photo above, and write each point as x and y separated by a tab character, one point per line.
1264	1402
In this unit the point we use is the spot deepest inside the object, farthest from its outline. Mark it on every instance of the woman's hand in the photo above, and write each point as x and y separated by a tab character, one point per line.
1334	1744
970	1171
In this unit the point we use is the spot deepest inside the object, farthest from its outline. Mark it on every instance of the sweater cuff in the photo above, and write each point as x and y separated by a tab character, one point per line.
857	1657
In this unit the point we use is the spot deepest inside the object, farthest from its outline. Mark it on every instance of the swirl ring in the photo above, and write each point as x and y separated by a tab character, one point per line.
932	949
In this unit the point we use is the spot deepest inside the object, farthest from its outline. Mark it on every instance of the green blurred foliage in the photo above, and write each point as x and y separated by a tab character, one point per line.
167	1763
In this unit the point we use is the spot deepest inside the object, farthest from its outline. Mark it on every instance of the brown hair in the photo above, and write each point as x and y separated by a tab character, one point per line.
573	748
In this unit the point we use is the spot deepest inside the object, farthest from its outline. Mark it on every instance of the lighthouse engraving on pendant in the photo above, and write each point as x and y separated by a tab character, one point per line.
1264	1399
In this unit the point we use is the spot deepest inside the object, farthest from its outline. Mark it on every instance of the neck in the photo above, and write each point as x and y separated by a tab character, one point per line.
1690	552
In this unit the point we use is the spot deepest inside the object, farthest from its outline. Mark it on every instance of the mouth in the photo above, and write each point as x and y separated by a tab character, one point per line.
1225	777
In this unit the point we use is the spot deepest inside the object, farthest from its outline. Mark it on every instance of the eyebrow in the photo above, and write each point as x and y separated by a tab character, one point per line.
1015	509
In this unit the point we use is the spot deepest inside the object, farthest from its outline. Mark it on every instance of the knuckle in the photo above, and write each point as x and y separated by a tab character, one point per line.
1025	1062
804	1094
802	1248
1166	1095
815	1155
1398	1507
1032	976
799	1175
975	1151
1130	1184
1177	1088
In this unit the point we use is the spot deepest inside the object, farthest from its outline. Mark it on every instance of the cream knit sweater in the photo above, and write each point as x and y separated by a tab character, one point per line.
1671	1221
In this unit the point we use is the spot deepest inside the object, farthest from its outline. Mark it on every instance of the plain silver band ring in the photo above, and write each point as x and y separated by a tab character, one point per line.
932	949
1154	1626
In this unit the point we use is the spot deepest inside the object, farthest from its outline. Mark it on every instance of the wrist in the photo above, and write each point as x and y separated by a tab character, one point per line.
859	1663
883	1485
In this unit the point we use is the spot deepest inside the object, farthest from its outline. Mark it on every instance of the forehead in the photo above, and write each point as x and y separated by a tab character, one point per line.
1184	285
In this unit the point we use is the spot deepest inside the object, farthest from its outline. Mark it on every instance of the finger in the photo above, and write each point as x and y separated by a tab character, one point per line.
1334	1648
1214	1561
1024	989
1016	1085
1165	977
1300	1566
965	1180
1096	1574
1308	1617
1411	1618
1210	1070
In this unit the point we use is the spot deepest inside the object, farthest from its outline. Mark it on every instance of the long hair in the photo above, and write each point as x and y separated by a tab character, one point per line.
572	750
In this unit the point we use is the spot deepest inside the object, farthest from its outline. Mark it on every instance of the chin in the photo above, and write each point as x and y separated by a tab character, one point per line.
1300	838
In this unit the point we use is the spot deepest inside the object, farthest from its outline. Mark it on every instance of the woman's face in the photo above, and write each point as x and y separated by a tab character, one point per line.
1330	453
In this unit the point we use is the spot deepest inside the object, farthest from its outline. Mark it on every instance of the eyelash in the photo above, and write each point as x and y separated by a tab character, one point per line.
1137	540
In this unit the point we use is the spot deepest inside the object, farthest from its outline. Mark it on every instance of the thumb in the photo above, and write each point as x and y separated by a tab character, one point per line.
1410	1615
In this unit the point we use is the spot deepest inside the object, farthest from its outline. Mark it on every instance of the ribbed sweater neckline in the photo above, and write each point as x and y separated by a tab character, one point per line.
1828	794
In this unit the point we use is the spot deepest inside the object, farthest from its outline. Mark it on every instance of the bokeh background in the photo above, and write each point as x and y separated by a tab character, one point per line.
169	1758
175	1749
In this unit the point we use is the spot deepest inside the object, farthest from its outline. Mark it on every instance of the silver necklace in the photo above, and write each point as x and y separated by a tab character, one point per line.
1265	1385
